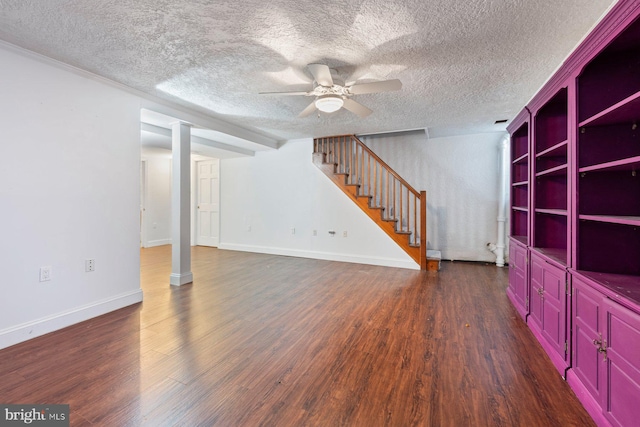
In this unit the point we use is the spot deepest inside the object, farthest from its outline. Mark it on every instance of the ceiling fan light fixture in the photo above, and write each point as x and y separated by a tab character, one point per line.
329	103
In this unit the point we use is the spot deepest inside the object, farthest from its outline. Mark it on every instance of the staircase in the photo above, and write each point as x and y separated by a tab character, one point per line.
380	192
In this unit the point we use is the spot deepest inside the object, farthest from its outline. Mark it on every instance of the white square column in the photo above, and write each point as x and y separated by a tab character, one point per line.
180	205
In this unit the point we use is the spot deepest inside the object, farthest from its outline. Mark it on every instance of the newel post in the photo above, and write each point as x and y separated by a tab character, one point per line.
423	230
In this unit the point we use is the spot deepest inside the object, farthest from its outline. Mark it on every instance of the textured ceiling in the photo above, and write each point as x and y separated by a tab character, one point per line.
463	64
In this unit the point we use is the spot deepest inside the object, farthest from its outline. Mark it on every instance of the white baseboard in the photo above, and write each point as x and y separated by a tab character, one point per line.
468	255
176	279
327	256
159	242
26	331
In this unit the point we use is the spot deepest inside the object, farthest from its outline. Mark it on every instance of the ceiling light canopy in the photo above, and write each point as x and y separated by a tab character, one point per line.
329	103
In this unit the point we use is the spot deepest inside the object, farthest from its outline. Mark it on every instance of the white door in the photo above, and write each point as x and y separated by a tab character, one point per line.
208	203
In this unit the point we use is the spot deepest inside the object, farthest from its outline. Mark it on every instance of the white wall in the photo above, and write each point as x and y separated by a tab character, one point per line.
157	215
69	174
461	177
276	191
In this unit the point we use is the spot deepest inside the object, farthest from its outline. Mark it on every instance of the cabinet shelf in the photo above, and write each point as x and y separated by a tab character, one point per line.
601	145
621	285
519	222
556	254
521	239
609	193
522	159
520	209
625	111
613	219
520	184
551	122
631	163
558	170
520	143
559	212
608	246
555	151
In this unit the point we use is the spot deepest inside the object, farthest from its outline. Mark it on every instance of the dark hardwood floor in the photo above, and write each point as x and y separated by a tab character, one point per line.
278	341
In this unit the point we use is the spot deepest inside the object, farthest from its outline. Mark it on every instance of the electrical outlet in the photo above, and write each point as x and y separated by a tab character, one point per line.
293	230
45	273
248	228
89	265
344	234
315	232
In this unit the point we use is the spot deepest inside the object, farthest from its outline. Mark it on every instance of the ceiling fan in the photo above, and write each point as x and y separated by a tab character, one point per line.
331	96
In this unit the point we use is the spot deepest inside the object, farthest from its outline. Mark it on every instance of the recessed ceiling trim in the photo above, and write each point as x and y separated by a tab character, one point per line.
211	123
204	141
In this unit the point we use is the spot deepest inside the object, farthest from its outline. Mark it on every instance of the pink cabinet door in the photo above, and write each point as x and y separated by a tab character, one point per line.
536	291
548	309
587	337
621	368
554	309
512	268
518	289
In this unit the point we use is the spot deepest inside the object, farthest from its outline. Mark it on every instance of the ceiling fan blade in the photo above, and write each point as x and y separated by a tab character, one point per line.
308	111
356	108
321	74
383	86
283	93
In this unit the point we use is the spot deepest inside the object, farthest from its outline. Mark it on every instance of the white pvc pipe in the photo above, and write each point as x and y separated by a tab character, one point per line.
503	200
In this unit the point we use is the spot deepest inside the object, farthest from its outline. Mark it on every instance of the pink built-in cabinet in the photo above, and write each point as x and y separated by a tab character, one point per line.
575	218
